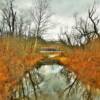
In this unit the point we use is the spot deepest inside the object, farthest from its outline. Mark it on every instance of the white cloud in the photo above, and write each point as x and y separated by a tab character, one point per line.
61	24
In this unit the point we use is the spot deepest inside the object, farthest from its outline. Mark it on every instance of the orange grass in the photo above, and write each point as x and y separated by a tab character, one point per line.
85	63
13	64
17	57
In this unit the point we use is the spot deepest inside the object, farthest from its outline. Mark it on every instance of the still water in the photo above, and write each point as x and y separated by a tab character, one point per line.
51	82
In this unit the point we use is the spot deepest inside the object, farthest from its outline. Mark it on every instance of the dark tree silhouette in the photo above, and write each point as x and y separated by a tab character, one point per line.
9	16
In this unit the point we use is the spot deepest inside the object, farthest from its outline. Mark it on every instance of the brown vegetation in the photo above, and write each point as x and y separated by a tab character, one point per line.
85	63
14	61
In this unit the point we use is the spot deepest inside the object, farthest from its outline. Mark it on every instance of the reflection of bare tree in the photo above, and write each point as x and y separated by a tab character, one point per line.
75	87
31	82
31	78
87	95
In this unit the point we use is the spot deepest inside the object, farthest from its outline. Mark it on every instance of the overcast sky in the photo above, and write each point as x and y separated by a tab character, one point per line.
63	11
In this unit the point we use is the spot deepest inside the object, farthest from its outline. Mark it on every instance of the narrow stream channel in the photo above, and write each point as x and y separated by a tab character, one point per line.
51	82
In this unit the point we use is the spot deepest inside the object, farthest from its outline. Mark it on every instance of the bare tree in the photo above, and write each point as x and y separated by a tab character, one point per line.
2	26
88	27
9	16
20	26
94	19
64	38
40	16
82	27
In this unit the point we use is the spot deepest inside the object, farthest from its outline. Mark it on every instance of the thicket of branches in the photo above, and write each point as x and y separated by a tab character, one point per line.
14	23
86	28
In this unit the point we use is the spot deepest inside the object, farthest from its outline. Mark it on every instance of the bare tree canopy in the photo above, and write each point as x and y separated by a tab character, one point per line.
94	19
41	16
9	16
88	27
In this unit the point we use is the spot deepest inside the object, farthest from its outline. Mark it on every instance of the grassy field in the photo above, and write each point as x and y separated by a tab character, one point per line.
17	56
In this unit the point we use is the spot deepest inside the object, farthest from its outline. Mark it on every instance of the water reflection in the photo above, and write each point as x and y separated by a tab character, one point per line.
54	80
51	82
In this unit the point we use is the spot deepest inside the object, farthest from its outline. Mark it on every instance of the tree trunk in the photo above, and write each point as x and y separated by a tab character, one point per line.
35	44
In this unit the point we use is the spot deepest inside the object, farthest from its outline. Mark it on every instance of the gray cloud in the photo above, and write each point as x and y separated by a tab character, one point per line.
69	7
60	7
